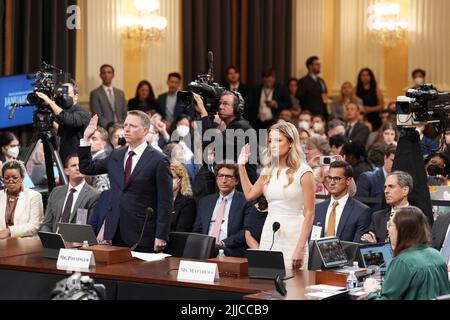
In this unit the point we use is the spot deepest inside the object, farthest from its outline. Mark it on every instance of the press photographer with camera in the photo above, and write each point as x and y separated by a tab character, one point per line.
71	119
230	112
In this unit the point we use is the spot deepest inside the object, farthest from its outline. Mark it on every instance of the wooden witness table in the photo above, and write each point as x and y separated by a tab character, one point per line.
24	274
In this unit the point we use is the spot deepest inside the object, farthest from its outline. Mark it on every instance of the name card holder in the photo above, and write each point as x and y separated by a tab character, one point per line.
192	271
75	260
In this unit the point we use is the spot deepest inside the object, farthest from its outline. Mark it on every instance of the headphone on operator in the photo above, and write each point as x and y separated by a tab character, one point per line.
239	106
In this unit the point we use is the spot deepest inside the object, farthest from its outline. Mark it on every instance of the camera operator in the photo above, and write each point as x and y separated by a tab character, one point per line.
71	118
230	113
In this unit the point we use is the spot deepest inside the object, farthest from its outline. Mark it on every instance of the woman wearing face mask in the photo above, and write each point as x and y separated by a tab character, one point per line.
184	208
319	126
182	132
21	209
9	145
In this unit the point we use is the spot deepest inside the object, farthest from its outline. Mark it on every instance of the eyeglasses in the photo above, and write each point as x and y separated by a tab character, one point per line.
12	179
335	179
224	176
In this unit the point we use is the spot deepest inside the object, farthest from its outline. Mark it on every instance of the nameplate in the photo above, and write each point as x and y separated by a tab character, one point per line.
191	271
75	260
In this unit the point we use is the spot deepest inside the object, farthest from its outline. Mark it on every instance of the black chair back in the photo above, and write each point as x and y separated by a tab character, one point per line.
190	245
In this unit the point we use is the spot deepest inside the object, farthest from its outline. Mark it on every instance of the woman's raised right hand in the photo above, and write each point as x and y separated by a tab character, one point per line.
245	155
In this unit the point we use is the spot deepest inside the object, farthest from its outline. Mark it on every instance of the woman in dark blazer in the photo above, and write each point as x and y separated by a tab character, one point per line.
144	99
184	208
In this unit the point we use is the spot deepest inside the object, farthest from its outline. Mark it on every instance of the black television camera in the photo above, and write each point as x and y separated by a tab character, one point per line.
423	105
50	81
204	86
78	287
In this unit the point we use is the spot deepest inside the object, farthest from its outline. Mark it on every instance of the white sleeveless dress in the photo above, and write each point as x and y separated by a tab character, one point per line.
285	206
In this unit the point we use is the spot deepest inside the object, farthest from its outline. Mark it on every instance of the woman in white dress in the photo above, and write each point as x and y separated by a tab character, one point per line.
287	183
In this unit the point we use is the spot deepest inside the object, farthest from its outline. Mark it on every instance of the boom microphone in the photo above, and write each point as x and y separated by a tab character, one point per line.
148	212
211	64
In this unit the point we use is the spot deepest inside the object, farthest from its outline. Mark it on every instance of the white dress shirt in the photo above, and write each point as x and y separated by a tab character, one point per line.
138	154
224	228
339	209
75	195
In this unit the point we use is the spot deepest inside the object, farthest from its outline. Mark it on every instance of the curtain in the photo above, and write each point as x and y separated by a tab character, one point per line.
2	36
39	33
251	34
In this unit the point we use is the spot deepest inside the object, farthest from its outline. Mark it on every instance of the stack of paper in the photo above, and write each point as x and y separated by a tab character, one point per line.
149	256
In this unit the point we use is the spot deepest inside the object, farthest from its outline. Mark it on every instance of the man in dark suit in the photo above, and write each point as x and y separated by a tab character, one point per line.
234	83
66	202
371	183
107	102
141	186
71	119
312	90
168	102
222	214
342	216
396	189
269	99
355	129
440	235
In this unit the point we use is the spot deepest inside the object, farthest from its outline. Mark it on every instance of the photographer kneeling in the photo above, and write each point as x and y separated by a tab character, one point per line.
231	108
71	118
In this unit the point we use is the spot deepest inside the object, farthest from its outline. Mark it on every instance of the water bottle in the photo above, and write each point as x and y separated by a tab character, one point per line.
352	281
85	244
355	266
221	254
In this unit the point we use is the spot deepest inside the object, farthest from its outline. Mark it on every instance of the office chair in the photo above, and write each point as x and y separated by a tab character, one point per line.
190	245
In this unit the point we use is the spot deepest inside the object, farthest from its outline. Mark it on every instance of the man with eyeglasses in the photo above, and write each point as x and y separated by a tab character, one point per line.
396	189
222	214
342	216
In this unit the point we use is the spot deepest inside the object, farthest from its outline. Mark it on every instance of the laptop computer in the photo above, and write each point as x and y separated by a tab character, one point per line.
378	254
265	264
51	242
72	232
331	252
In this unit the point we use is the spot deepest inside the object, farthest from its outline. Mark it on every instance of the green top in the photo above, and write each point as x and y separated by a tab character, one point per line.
418	273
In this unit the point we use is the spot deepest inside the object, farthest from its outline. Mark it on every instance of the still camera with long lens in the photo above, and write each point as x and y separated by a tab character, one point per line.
78	287
204	86
422	106
50	81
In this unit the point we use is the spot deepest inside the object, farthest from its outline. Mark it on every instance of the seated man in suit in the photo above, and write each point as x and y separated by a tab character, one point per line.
222	214
356	130
441	236
342	216
396	189
66	202
371	183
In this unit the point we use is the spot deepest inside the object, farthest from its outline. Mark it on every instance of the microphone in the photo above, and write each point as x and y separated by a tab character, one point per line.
211	64
148	212
275	227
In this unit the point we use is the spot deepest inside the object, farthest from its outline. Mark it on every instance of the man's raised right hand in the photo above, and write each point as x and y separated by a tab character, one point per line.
91	128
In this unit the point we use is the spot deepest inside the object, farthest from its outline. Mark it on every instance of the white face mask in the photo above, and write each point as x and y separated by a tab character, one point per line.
183	131
13	152
317	127
175	183
419	81
304	125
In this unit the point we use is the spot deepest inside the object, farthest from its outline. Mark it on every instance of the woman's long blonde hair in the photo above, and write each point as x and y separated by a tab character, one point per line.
295	155
185	183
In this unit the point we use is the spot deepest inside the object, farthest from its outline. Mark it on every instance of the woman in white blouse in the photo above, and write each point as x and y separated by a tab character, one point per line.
21	209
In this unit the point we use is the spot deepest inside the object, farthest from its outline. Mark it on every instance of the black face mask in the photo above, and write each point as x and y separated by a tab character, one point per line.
65	101
434	170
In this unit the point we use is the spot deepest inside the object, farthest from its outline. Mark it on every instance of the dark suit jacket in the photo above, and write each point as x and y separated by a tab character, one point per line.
72	123
243	89
100	106
378	224
183	214
235	242
280	94
150	185
354	221
144	106
310	95
360	132
87	199
179	108
371	185
439	230
99	215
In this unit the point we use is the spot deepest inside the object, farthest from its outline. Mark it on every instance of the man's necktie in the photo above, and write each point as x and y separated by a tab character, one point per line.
128	166
68	207
218	223
332	221
112	102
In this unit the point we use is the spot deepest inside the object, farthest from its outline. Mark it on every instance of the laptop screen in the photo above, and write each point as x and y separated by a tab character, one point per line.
379	254
332	253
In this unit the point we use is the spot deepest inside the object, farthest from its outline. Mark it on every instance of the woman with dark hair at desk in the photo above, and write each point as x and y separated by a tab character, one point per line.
21	209
418	272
